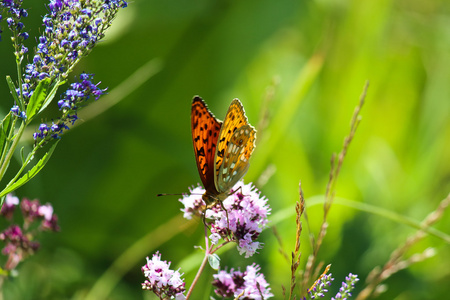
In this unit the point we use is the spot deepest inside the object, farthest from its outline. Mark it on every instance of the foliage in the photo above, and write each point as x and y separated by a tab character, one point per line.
298	67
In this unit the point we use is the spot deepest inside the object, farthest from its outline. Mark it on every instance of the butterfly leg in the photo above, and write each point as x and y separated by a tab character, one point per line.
238	189
204	219
226	212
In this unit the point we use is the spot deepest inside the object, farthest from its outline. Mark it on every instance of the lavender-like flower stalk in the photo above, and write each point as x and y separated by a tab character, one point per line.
74	98
71	30
347	286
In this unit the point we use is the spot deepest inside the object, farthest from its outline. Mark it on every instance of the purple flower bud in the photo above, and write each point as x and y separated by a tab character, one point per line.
15	109
24	13
84	76
43	128
36	59
72	35
55	128
55	5
43	75
64	42
72	118
74	44
84	44
47	21
24	35
87	12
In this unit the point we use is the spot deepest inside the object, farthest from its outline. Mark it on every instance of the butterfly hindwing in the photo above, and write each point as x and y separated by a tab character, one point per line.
234	119
205	132
236	157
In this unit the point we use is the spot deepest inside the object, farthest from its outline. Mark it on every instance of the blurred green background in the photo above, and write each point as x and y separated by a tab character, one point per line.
307	62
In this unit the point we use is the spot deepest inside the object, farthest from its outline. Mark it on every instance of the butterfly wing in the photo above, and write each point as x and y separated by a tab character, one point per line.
205	132
234	119
236	158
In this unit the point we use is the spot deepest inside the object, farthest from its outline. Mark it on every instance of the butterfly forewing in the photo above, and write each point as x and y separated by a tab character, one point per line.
205	132
234	119
236	157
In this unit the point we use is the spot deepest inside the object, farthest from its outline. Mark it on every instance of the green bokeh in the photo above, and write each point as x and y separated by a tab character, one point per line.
315	57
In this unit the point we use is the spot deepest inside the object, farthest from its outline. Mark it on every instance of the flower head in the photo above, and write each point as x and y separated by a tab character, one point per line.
193	203
33	211
16	112
79	92
50	220
71	30
15	13
9	206
320	286
244	217
347	286
19	242
233	283
17	247
163	281
71	100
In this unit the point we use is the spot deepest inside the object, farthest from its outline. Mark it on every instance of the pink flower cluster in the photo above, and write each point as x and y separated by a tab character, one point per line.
233	283
244	219
163	281
19	241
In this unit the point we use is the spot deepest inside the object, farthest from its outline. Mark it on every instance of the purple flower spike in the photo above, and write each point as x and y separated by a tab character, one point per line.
346	288
71	100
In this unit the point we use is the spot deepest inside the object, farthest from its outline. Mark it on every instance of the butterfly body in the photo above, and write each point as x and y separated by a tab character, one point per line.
222	149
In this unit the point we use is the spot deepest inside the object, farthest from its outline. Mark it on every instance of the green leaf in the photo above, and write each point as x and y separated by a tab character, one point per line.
5	128
12	89
31	173
38	98
214	261
52	94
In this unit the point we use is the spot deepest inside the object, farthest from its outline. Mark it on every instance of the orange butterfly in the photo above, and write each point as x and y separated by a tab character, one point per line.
222	149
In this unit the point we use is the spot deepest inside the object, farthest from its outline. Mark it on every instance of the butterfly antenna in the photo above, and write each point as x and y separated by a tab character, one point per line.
179	194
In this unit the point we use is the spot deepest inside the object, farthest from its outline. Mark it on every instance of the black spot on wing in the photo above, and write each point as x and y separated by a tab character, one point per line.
201	152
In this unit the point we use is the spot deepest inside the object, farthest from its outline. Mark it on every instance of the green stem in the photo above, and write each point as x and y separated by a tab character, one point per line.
202	266
12	149
25	163
2	279
8	141
19	78
197	276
